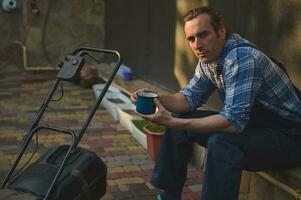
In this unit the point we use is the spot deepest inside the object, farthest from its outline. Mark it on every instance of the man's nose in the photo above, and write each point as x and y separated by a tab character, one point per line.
198	43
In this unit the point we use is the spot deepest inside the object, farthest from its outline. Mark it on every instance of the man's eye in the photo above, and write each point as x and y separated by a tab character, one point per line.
190	39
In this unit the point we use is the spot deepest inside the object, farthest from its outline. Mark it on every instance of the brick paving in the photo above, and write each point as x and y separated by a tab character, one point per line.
129	165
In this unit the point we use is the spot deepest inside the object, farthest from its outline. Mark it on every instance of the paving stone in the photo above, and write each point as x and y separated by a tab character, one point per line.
144	198
122	195
9	147
108	159
113	176
132	168
126	175
131	180
145	193
143	162
122	157
113	188
111	182
195	188
135	148
112	170
196	195
112	149
135	187
4	164
119	163
123	188
150	186
139	157
187	196
147	166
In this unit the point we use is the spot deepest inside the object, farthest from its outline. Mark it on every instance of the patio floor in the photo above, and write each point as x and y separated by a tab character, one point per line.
129	165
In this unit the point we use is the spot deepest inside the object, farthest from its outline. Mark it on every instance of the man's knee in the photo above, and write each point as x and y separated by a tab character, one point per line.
176	136
223	147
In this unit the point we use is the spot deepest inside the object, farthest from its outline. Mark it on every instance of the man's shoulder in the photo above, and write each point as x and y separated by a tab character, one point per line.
236	47
235	41
241	54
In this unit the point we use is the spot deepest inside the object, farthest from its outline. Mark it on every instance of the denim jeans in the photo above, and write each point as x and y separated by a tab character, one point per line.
256	148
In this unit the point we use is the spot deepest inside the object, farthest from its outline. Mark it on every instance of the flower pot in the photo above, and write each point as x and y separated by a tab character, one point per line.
154	136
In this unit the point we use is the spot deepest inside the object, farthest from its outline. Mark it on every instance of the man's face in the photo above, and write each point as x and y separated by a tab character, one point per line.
203	40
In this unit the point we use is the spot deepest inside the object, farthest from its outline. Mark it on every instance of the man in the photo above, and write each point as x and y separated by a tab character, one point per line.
257	129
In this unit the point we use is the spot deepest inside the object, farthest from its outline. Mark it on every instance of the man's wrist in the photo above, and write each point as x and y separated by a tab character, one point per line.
179	123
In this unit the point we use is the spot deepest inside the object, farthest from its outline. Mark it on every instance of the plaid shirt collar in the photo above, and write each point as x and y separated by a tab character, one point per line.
214	70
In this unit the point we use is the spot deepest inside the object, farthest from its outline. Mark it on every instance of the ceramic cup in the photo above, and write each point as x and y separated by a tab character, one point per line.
145	103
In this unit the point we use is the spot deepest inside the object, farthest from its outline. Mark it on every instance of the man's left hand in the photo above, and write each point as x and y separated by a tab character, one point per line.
161	117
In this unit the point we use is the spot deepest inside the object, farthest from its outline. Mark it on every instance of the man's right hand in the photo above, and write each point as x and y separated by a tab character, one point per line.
133	97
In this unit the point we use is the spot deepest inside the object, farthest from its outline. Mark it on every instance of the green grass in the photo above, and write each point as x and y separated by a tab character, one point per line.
140	123
156	128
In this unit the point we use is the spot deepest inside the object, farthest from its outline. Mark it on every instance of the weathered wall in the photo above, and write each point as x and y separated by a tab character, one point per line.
59	27
10	30
143	32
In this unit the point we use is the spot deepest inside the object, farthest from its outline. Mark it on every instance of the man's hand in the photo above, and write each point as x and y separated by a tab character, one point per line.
161	117
172	102
133	96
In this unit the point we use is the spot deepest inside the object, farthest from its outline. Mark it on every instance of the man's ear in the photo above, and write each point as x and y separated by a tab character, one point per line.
222	32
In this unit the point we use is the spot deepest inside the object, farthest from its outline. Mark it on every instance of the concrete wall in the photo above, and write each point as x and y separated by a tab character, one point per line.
57	29
143	32
10	30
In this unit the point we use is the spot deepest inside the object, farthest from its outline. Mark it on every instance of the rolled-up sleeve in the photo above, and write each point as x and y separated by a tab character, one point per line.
243	79
198	90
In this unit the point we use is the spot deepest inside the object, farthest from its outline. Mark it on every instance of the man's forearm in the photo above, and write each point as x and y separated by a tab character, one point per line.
174	102
210	124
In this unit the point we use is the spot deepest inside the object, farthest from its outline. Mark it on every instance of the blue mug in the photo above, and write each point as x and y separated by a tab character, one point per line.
145	103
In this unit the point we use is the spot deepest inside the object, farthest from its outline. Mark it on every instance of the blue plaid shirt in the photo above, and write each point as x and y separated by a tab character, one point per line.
242	75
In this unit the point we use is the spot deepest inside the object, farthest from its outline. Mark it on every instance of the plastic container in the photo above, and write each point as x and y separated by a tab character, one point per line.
125	73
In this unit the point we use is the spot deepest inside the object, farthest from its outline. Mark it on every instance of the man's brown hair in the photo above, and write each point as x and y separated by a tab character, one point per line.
216	19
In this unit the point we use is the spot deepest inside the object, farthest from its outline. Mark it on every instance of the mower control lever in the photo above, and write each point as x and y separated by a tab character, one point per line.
71	68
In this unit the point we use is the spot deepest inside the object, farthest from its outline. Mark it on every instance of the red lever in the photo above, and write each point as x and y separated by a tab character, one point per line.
74	62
